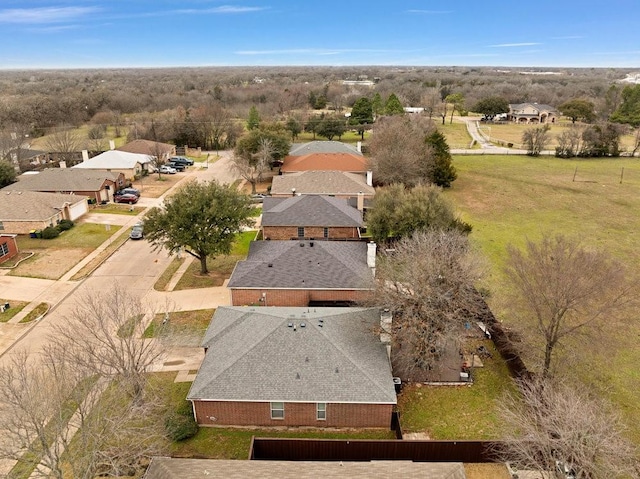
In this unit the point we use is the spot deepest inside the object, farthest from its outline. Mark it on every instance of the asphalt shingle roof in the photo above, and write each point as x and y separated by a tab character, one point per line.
33	205
254	355
321	183
325	162
175	468
114	160
317	146
298	265
63	179
309	210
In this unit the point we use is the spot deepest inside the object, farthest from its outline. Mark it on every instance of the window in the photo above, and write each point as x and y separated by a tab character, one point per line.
1	226
300	231
321	411
277	410
4	249
326	232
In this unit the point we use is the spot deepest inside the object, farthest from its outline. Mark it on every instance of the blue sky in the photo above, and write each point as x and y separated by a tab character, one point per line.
157	33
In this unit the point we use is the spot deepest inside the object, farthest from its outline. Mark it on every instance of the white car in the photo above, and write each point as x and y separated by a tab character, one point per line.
168	170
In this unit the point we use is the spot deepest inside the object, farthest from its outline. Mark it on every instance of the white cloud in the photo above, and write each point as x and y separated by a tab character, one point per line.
510	45
44	15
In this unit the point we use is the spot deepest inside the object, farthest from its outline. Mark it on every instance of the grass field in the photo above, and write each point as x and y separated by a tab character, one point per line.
456	134
510	198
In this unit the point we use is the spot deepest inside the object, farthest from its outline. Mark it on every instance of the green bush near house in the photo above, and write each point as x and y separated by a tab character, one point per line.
50	232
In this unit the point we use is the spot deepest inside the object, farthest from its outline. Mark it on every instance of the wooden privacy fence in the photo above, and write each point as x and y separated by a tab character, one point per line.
289	449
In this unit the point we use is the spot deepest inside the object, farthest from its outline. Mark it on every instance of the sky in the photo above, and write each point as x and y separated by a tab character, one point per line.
174	33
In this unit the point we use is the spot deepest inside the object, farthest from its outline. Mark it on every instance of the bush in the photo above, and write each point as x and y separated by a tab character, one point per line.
50	232
65	225
180	426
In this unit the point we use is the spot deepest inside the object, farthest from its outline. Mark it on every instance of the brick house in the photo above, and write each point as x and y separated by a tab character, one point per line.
532	113
8	247
348	162
99	185
131	165
340	184
321	367
24	211
310	216
304	273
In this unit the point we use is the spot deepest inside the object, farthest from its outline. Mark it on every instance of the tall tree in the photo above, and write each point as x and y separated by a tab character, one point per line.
559	427
331	126
578	109
629	109
65	144
393	106
253	166
361	115
491	106
294	126
563	290
535	139
312	125
428	282
457	102
444	173
202	218
253	122
7	173
377	106
250	143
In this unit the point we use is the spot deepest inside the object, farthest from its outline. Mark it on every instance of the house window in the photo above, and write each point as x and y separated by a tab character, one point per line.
1	225
326	233
321	411
277	410
4	249
300	231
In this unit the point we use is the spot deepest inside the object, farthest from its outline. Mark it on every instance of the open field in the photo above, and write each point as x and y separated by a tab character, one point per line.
456	133
509	198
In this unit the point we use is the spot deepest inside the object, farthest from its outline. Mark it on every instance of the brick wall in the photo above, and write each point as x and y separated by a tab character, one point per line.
292	297
295	414
11	244
24	227
288	232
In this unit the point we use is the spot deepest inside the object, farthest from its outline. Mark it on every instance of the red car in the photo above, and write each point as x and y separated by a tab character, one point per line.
125	198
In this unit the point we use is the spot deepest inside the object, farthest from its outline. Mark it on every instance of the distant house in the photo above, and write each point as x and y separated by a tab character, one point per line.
303	273
26	159
317	146
348	162
532	113
23	211
321	367
99	185
310	216
150	148
8	247
131	165
330	183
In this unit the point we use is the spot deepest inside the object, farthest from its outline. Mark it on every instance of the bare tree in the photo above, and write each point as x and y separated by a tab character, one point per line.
104	332
427	281
569	143
251	166
65	144
563	290
535	139
555	427
636	142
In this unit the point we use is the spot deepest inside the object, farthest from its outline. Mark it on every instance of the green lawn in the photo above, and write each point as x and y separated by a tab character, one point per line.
458	412
117	209
14	308
180	323
510	198
456	134
85	235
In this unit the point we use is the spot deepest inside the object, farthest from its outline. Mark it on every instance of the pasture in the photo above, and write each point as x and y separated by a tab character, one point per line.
510	198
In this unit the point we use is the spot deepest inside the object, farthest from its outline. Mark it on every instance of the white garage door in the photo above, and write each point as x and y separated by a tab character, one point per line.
77	210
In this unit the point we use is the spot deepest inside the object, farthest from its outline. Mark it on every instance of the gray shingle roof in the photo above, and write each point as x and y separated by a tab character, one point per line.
33	205
175	468
253	355
325	265
321	183
309	210
114	160
317	146
64	179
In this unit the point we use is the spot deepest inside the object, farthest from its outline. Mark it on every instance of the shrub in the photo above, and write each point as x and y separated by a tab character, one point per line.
180	426
65	225
50	232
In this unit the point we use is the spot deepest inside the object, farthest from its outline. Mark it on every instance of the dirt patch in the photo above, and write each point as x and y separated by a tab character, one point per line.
51	264
486	471
153	187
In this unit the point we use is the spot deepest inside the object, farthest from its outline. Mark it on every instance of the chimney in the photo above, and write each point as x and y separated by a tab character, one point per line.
360	204
359	147
62	164
112	145
370	178
371	256
85	155
386	321
293	192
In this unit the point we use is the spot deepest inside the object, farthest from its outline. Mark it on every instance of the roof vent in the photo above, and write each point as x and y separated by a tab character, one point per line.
301	244
297	375
306	360
320	325
311	244
303	325
321	320
290	325
270	265
337	370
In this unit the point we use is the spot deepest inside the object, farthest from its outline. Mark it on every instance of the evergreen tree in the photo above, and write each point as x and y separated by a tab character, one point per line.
253	122
393	106
444	173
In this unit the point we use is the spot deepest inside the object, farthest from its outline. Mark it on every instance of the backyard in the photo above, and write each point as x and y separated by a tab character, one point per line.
510	198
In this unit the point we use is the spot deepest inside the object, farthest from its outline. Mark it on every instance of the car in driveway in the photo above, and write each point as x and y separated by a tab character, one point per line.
137	232
177	166
183	160
125	198
167	170
128	191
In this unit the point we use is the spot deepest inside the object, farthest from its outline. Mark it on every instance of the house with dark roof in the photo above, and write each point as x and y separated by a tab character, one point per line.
8	247
330	183
26	159
532	113
304	273
348	162
99	185
310	216
321	367
24	211
150	148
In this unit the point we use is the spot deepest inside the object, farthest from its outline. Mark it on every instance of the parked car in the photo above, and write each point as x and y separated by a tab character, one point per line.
168	170
137	232
182	160
125	198
177	166
128	191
